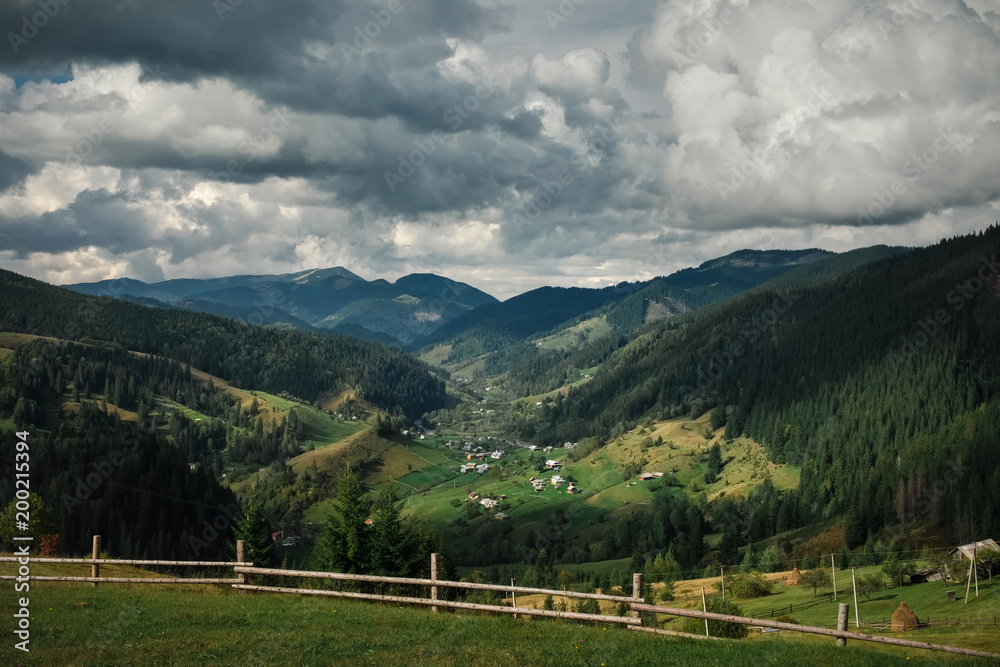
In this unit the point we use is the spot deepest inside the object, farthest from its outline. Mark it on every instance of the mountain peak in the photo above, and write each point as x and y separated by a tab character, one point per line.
316	275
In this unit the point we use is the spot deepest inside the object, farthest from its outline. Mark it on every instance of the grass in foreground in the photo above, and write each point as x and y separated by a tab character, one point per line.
171	625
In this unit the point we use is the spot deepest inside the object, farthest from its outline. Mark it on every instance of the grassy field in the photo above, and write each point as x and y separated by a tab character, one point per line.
575	335
200	625
927	600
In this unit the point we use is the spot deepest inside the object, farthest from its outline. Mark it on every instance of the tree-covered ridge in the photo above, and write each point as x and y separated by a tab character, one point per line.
842	377
304	364
101	474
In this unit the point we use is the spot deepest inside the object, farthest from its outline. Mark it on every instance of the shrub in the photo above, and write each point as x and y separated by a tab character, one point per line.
750	585
716	605
787	619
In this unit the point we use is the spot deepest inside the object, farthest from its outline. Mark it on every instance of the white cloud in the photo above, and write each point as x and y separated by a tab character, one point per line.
690	128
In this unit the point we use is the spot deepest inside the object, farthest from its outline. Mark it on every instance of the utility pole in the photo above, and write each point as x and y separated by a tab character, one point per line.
833	570
857	619
704	606
968	582
722	570
975	569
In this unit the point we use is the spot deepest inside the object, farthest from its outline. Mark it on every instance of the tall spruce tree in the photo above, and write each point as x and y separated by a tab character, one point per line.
344	545
252	528
394	547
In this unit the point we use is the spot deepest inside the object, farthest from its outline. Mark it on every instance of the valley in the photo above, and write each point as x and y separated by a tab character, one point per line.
666	428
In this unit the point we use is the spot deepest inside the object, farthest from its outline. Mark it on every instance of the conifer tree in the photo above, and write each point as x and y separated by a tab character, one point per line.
252	528
344	545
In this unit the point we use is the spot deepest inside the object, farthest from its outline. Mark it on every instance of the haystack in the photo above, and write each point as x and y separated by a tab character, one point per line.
904	619
794	578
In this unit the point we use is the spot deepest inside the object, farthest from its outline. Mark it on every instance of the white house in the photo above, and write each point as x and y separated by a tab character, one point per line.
556	479
551	463
488	503
497	454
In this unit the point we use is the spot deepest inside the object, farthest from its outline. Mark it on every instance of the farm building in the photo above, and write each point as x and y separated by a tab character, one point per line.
488	503
557	479
924	575
967	550
468	467
552	464
532	448
497	454
473	495
482	467
573	489
501	516
646	475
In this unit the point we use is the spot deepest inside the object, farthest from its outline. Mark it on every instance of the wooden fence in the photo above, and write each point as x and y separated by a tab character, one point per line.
433	585
96	561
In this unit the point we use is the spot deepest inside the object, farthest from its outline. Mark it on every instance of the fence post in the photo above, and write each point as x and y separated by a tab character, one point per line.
434	576
842	622
241	557
95	569
637	591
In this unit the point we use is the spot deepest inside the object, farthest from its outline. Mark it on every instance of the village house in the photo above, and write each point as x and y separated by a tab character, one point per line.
473	495
482	467
556	479
554	465
468	467
502	516
488	503
532	448
497	454
572	489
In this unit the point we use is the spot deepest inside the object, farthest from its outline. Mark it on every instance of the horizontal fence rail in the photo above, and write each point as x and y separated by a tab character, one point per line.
132	580
841	634
429	582
527	611
95	563
119	561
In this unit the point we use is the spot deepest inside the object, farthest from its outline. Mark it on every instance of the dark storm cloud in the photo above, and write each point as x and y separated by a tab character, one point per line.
264	45
95	218
12	170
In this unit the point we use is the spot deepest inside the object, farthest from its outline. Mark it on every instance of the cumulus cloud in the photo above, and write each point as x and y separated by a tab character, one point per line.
483	140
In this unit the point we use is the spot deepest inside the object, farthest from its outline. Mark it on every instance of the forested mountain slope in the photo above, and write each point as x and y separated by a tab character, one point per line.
304	364
843	377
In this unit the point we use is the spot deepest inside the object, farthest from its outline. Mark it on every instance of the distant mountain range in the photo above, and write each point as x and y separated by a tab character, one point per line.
333	300
421	309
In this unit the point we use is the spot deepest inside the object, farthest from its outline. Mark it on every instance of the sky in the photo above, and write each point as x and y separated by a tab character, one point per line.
505	144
